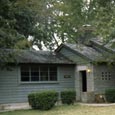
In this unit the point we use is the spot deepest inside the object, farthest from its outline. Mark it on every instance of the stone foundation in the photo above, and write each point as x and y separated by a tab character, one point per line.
87	97
14	106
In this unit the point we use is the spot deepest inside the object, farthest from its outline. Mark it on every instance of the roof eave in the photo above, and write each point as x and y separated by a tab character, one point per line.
59	48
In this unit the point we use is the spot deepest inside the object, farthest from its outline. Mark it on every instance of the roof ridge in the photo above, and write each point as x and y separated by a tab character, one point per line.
102	46
12	49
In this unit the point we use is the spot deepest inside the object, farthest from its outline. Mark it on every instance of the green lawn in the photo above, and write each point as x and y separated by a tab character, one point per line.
67	110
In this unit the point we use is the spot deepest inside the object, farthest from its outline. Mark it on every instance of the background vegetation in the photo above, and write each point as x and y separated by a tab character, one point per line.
110	95
51	22
40	24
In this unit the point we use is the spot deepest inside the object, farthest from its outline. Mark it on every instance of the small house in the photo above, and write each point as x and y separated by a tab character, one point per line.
83	68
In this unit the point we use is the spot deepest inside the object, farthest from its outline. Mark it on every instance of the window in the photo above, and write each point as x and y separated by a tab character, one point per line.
34	73
106	76
53	73
38	73
25	74
44	73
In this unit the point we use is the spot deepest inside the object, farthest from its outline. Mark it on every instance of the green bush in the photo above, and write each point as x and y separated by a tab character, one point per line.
68	97
110	95
43	100
32	100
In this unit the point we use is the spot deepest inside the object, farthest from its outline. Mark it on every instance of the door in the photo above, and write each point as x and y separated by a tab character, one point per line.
83	82
83	76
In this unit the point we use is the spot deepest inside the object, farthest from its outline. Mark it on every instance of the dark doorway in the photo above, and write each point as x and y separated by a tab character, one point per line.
84	80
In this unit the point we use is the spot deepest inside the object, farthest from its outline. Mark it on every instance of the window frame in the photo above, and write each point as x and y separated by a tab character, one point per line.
40	81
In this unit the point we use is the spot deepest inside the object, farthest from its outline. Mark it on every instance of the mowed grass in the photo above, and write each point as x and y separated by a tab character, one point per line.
67	110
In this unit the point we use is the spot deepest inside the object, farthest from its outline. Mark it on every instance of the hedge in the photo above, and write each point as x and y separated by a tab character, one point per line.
43	100
68	97
110	95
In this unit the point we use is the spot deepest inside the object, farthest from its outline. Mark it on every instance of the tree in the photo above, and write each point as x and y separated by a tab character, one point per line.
9	22
51	22
83	19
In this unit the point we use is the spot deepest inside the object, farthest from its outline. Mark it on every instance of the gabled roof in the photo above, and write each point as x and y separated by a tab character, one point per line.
102	47
86	51
33	56
94	52
107	46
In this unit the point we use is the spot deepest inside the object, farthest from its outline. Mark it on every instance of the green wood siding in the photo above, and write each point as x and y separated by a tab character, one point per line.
12	91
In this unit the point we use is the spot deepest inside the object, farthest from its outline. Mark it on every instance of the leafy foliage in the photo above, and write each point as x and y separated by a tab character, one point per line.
9	34
43	100
68	97
32	100
86	19
110	95
51	22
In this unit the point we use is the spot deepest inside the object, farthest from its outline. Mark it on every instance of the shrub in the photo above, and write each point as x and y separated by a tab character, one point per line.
110	95
68	97
43	100
32	100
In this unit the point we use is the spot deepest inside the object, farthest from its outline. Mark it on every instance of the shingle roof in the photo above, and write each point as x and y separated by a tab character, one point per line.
33	56
86	51
95	51
111	45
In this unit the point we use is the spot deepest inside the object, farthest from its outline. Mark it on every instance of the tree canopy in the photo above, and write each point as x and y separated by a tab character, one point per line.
51	22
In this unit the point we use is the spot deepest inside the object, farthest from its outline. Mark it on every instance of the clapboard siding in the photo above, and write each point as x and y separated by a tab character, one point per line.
12	91
99	84
73	56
